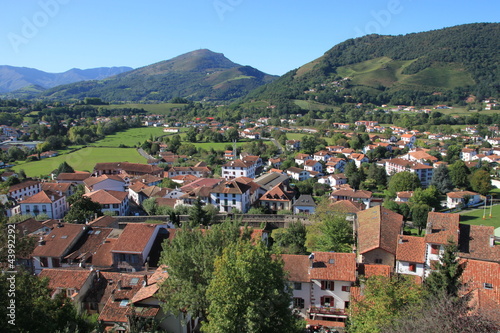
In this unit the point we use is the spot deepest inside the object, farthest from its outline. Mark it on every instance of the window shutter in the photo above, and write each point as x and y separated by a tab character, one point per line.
323	285
332	285
322	300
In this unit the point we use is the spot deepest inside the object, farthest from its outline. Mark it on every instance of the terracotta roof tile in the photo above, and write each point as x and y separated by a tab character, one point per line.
278	193
74	177
411	249
231	187
442	227
135	237
58	242
378	228
369	270
54	187
60	278
88	244
477	242
334	266
346	206
361	194
107	197
477	273
297	267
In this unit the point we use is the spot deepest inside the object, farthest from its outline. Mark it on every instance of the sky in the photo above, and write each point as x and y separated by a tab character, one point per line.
274	36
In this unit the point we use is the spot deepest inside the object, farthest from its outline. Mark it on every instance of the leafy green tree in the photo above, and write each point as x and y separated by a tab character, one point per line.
384	300
83	210
447	273
190	257
459	174
403	181
442	180
429	197
480	182
453	154
248	292
149	205
378	174
291	240
197	214
36	311
191	135
419	213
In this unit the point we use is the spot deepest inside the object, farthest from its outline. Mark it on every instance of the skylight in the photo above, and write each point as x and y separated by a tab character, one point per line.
134	281
124	302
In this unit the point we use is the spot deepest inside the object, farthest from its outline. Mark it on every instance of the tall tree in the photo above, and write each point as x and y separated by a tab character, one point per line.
248	292
190	257
480	182
459	174
403	181
82	210
419	213
291	240
384	300
442	180
429	197
447	273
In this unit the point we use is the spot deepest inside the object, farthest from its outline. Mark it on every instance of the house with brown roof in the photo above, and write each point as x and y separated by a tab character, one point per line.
410	255
45	202
321	284
424	172
378	231
238	168
420	156
24	189
113	201
313	166
88	245
403	196
352	195
133	247
53	247
454	199
65	189
441	228
298	173
231	195
278	198
131	169
104	182
198	172
74	283
301	158
75	178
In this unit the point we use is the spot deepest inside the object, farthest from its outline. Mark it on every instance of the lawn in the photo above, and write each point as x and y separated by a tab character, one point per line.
475	217
83	159
130	137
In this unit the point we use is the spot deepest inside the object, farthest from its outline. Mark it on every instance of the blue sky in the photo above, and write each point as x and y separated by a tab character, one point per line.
274	36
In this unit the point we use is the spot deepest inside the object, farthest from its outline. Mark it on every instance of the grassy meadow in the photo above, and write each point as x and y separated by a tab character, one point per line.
82	160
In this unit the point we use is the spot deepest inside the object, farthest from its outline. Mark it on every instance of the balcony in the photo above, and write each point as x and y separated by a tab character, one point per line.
326	310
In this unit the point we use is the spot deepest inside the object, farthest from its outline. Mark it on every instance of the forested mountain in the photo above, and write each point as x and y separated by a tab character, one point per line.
14	78
197	75
446	65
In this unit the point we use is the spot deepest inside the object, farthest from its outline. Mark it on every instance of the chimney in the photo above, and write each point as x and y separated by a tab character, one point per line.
311	260
492	241
145	282
41	241
400	239
119	284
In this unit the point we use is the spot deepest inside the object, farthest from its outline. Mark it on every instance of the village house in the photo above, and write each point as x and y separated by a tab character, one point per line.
301	158
377	232
104	182
352	195
238	168
298	173
321	285
410	255
45	202
464	198
278	198
424	172
131	169
304	205
116	202
313	165
231	195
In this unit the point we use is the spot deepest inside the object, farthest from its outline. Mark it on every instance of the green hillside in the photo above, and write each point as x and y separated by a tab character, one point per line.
445	65
197	75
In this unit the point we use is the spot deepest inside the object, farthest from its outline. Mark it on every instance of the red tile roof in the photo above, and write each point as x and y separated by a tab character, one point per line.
278	193
477	273
477	242
368	270
134	237
24	184
107	197
76	177
378	228
297	267
361	194
58	242
91	181
231	187
42	197
88	244
54	187
60	278
346	206
442	227
411	249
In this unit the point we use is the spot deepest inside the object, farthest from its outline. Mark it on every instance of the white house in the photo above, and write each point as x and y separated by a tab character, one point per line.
453	199
304	205
313	165
301	158
321	284
410	255
113	201
298	173
52	204
238	168
231	195
104	182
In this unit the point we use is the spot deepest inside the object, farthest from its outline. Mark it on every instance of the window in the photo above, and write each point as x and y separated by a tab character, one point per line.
435	249
412	268
56	262
297	286
298	302
378	261
488	285
327	285
327	301
346	288
44	262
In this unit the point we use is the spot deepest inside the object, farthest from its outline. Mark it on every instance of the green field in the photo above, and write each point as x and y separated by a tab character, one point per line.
160	108
83	159
310	105
130	137
475	217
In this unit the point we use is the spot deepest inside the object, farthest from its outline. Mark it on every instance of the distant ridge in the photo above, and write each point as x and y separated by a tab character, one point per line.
14	78
197	75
